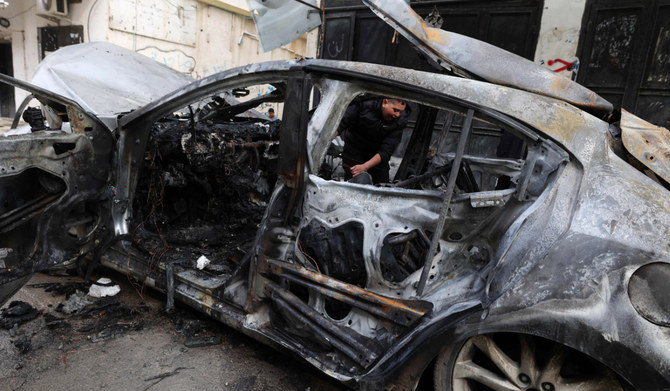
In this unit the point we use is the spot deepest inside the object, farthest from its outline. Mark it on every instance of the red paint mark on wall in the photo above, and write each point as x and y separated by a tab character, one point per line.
567	65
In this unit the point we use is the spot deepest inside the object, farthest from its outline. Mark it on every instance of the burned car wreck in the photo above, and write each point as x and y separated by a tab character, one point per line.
474	268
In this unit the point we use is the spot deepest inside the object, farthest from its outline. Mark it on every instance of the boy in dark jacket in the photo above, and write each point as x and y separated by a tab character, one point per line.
371	129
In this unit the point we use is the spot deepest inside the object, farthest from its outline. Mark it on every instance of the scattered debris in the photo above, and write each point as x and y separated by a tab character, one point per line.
23	344
17	313
103	288
199	332
115	330
62	288
192	327
74	304
53	322
105	304
159	378
110	319
202	262
199	342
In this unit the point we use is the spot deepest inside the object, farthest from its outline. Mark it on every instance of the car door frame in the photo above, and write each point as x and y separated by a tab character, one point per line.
77	165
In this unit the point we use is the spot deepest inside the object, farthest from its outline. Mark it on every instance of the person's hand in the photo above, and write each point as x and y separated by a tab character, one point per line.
357	169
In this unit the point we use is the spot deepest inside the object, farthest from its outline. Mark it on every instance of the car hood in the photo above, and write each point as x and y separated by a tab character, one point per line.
470	57
105	79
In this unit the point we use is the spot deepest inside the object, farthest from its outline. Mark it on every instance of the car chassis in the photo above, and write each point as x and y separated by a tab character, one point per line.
564	259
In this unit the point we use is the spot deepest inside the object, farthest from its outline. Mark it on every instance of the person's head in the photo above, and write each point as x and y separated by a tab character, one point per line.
271	113
392	108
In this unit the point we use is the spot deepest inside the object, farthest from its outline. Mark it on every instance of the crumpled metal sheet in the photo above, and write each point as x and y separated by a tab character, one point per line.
650	144
106	79
279	22
468	56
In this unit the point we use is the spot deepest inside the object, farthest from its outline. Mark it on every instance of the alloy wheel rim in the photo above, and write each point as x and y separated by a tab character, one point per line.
527	363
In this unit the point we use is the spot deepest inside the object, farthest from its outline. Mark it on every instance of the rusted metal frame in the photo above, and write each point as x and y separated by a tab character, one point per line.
292	145
37	202
293	137
411	308
186	290
444	210
337	336
402	238
322	31
316	328
28	212
264	242
395	316
200	299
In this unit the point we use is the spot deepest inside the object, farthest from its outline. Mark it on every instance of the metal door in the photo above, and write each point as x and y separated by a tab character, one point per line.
625	52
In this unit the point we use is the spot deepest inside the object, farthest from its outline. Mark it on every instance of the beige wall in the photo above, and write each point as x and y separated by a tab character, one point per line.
559	32
225	36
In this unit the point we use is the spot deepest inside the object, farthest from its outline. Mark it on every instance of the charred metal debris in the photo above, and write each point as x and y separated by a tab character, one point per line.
203	190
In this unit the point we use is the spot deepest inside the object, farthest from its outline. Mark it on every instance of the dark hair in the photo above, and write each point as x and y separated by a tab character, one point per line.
401	101
271	110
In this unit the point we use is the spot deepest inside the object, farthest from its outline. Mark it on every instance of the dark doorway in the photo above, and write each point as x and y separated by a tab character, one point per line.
6	91
353	32
52	38
625	52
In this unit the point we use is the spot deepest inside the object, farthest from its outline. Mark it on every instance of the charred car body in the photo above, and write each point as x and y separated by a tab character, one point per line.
476	268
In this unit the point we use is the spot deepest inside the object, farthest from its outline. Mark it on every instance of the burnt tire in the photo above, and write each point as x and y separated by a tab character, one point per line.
511	362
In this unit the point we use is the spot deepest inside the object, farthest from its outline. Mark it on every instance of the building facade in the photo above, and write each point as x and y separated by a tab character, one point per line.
198	38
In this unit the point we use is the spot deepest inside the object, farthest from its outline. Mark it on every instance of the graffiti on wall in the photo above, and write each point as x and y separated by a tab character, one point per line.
173	58
559	65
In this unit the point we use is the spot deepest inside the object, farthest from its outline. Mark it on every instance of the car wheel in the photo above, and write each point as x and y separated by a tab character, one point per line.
509	362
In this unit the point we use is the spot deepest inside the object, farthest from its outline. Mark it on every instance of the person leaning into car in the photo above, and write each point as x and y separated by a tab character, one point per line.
371	129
